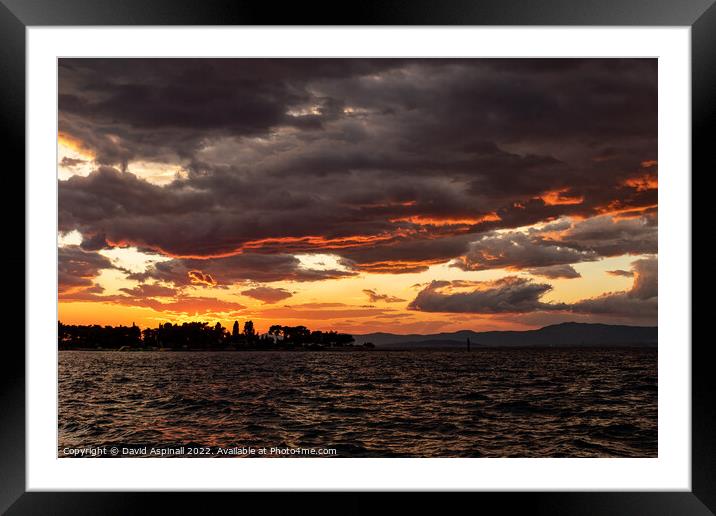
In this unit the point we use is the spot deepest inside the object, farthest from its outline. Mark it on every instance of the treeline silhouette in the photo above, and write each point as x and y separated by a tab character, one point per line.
199	336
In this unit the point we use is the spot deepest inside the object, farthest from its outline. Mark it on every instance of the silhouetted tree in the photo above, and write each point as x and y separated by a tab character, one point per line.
249	331
275	330
196	335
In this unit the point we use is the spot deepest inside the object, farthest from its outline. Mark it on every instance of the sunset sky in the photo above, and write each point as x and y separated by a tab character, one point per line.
406	196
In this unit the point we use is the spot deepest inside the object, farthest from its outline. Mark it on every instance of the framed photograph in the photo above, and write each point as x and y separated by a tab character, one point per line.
419	252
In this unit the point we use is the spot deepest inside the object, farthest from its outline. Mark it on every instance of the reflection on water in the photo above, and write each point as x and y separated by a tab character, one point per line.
488	403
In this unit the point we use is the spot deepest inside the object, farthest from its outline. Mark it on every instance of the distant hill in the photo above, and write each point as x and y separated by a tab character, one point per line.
557	335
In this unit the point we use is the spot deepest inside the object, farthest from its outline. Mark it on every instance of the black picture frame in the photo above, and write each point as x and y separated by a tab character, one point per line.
17	15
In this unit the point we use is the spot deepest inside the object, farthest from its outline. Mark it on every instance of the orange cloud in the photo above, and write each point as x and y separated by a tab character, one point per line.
435	221
289	312
398	266
643	182
560	197
619	210
313	241
191	305
73	144
199	278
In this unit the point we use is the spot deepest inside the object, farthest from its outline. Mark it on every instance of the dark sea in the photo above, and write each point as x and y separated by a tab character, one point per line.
487	403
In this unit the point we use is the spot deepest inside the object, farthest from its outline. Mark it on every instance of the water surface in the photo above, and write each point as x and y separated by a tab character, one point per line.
488	403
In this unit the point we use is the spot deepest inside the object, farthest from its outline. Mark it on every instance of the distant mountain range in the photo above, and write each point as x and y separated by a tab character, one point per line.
557	335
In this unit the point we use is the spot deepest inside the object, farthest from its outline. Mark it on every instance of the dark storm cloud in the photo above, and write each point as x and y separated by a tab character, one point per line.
393	165
202	218
405	255
268	295
519	250
561	243
555	272
78	268
94	242
375	297
646	277
610	236
235	269
71	162
619	305
621	272
640	303
124	109
510	294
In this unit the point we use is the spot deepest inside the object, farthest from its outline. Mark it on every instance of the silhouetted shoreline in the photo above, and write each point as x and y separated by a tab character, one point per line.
386	349
199	336
347	349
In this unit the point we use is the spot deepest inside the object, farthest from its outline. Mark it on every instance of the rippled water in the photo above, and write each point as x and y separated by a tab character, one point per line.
488	403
